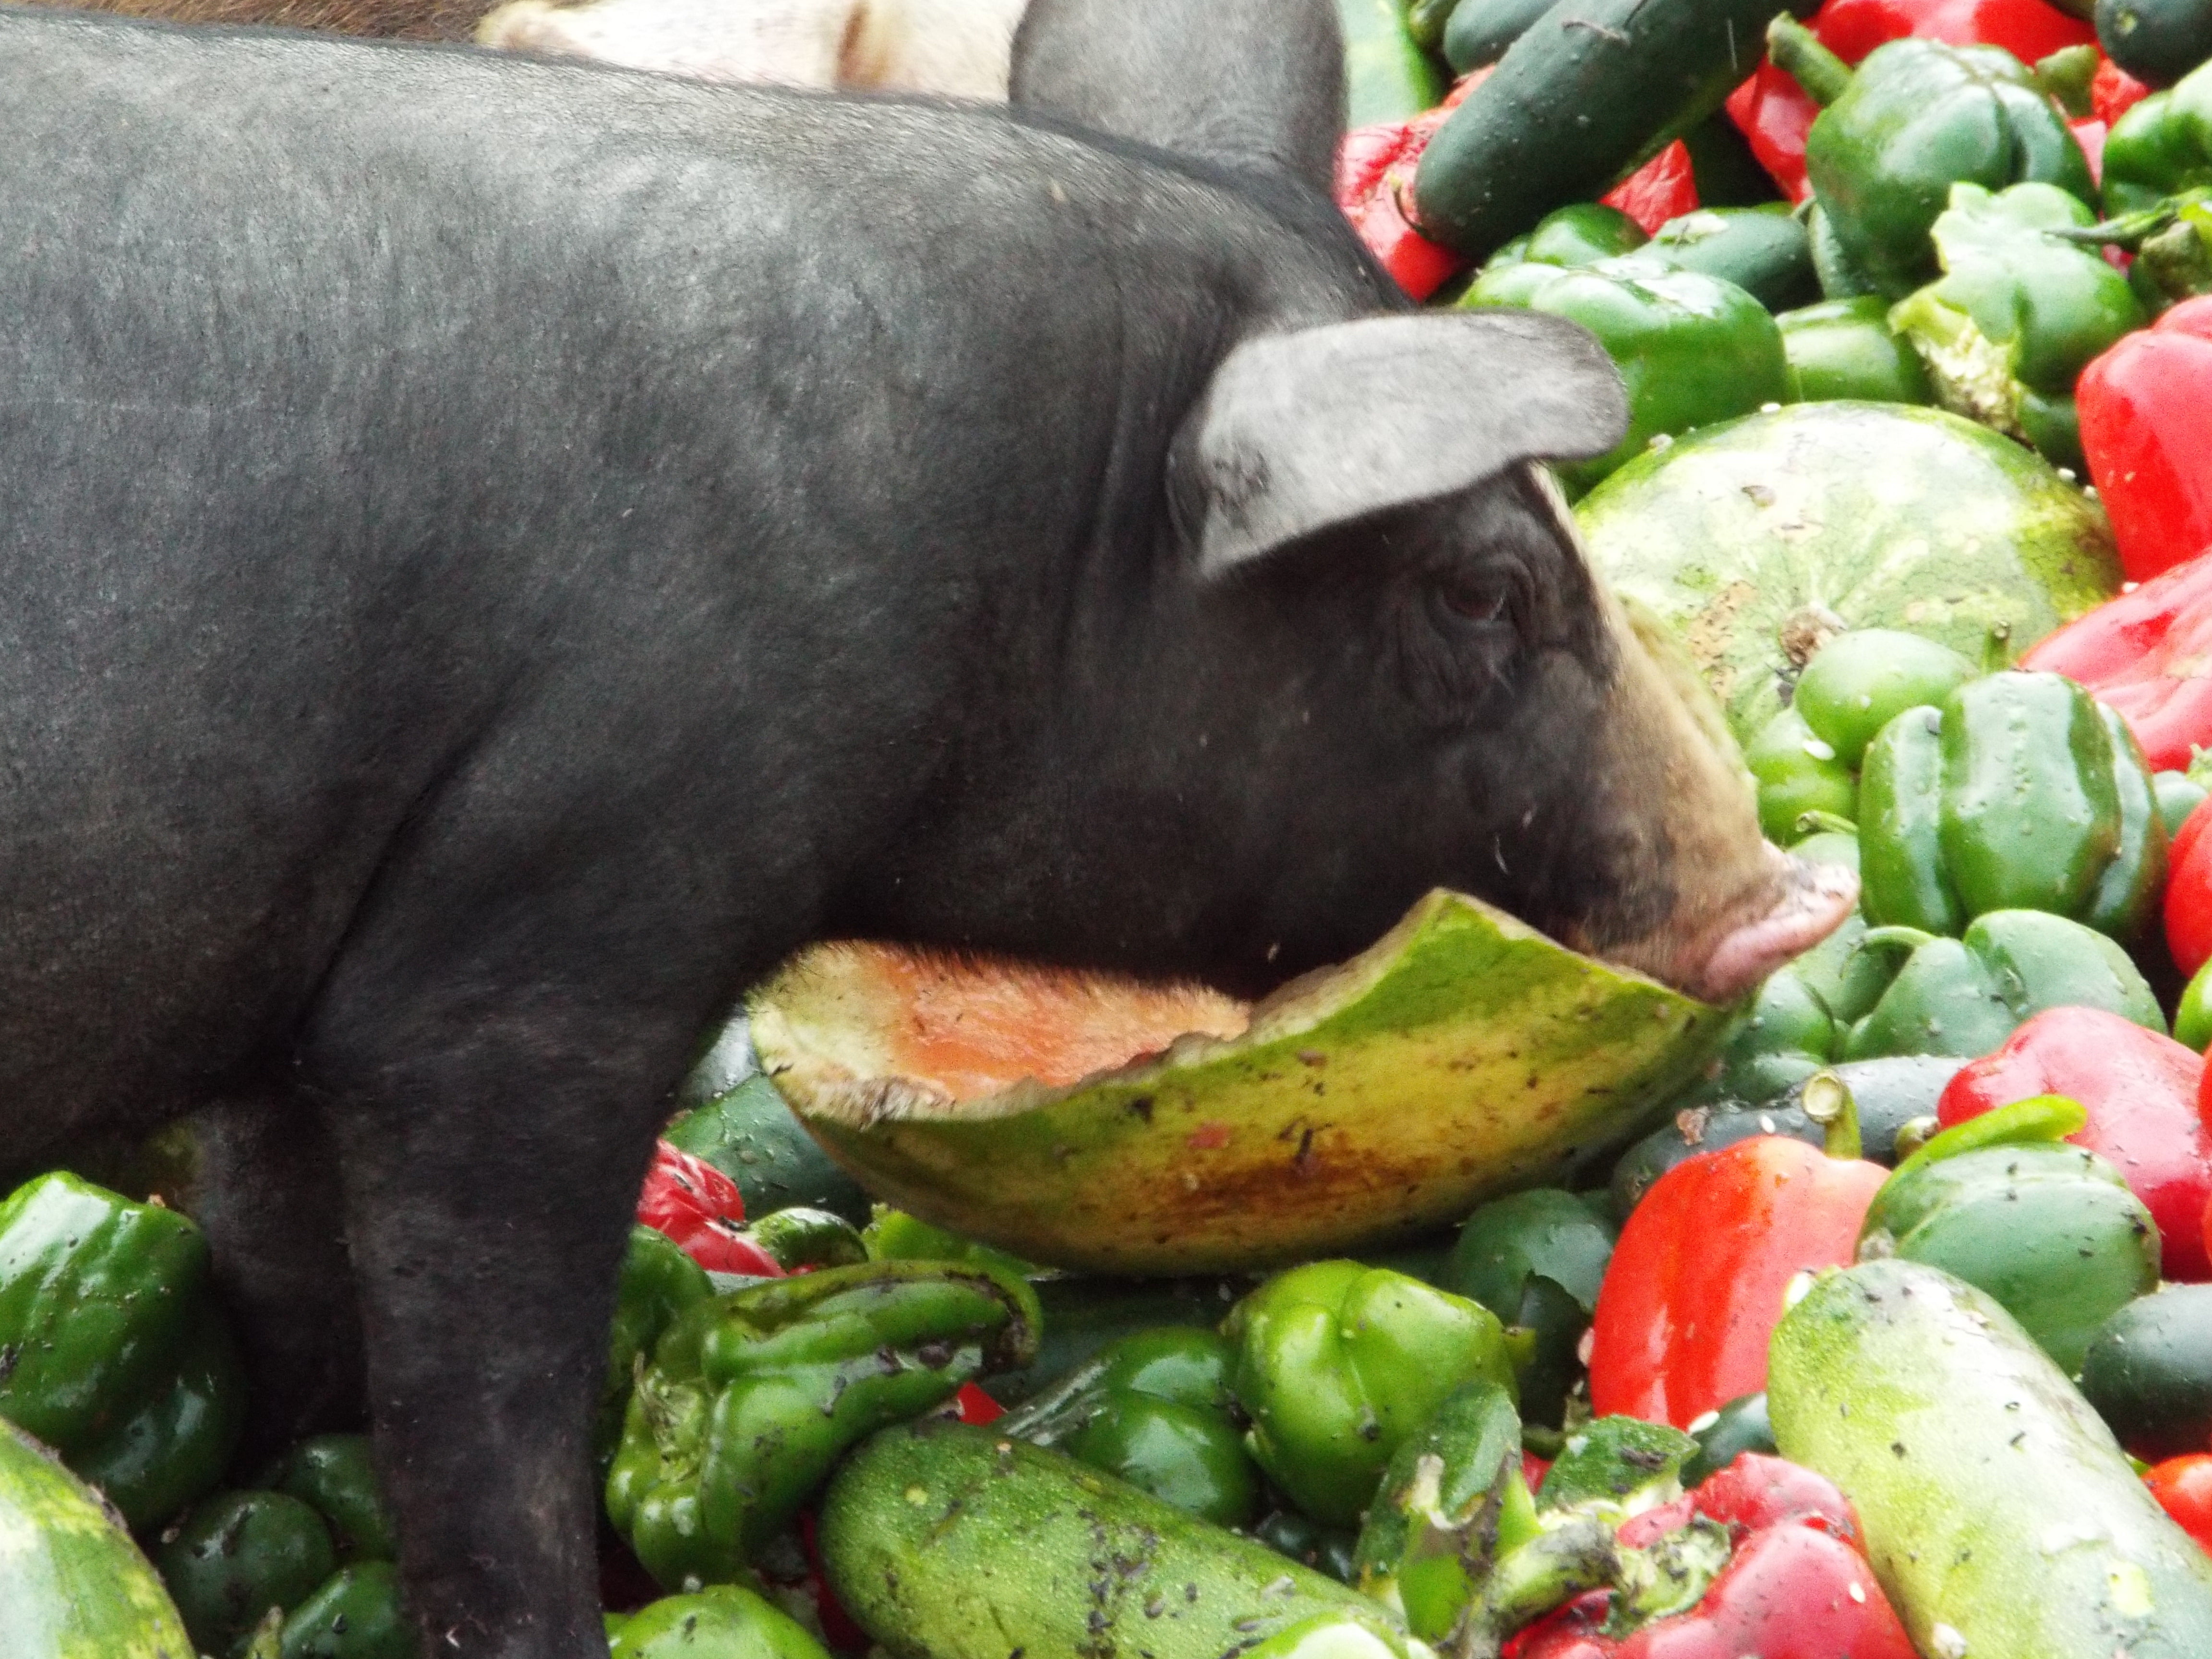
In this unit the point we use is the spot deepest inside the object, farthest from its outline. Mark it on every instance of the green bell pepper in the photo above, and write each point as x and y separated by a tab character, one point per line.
1863	678
723	1621
1338	1363
1846	348
237	1554
1692	349
1535	1259
2162	146
112	1350
751	1397
2050	1230
336	1473
1154	1408
659	1282
1623	1462
1451	1503
1915	118
1797	772
1579	234
2020	792
1965	997
355	1613
2018	314
1787	1034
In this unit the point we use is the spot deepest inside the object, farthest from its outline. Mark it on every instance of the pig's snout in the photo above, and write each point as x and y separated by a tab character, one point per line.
1811	903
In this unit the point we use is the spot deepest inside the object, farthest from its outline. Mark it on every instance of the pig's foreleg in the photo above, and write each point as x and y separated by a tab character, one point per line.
493	1124
266	1190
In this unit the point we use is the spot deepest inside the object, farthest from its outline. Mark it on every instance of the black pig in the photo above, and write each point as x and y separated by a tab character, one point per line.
498	554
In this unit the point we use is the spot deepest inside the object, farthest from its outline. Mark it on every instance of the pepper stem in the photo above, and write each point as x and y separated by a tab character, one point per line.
1827	1100
1798	53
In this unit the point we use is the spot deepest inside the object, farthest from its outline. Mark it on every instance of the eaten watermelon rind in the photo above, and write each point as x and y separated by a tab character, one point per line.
1463	1055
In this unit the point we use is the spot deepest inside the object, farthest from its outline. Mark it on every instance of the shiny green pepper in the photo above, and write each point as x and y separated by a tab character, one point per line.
1535	1259
750	1398
2050	1230
1579	234
2162	146
336	1475
1338	1363
723	1621
1863	679
1965	997
355	1613
2020	793
1691	349
112	1350
1787	1034
2017	314
238	1554
1915	118
659	1282
1154	1408
1846	348
1797	772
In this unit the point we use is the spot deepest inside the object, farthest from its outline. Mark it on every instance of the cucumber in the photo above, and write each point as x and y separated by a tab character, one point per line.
72	1584
751	1136
1584	97
1999	1515
2157	41
1480	30
945	1542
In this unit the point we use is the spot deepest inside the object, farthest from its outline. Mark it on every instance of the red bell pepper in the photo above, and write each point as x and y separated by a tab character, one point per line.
2113	92
2189	893
2146	410
2148	656
1695	1285
2143	1095
1795	1585
1664	187
701	1208
2183	1487
1374	171
1774	113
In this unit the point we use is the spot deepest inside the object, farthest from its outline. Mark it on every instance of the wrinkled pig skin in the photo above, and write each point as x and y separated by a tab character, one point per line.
500	552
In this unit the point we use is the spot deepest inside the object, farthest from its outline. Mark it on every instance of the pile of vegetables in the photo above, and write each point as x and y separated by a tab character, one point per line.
1873	1317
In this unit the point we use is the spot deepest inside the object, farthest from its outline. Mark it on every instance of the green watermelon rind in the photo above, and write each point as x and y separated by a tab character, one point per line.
73	1585
1461	1056
1881	515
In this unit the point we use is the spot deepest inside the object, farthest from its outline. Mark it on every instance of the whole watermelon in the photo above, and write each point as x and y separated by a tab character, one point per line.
1757	538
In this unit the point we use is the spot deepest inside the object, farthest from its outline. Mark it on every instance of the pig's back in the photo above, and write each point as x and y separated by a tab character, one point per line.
352	398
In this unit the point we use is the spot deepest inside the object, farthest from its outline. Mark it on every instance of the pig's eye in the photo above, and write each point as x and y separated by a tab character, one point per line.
1478	599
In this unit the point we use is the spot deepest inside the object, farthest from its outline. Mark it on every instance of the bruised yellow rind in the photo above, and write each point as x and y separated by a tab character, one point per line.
1463	1055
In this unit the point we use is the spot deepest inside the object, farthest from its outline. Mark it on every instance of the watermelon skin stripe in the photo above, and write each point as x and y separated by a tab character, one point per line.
1750	536
73	1585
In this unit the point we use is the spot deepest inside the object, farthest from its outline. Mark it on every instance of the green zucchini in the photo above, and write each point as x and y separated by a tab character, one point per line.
945	1542
2157	41
2148	1372
1999	1516
1591	90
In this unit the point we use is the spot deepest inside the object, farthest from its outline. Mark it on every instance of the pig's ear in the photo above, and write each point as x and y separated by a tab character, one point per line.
1297	432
